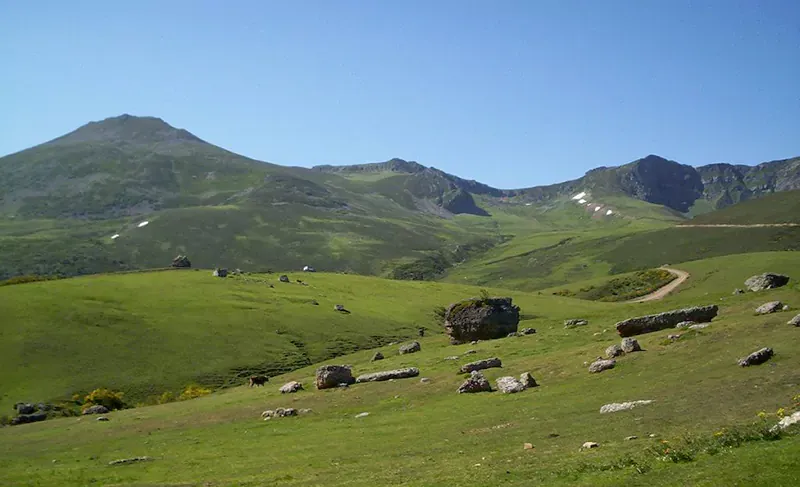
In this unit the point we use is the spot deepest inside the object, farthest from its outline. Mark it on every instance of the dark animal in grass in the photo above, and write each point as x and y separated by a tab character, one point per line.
258	380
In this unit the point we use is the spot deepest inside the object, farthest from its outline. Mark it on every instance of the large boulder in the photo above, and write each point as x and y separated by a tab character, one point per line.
475	383
487	363
96	409
771	307
764	281
509	385
330	376
29	418
647	324
756	358
412	347
480	319
389	374
181	261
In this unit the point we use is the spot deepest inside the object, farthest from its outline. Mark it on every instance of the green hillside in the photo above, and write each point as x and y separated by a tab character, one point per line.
776	208
701	421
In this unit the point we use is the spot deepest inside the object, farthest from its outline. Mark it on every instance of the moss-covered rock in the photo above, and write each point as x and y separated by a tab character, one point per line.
481	318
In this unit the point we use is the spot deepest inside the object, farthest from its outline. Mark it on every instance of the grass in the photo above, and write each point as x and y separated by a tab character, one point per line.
426	434
781	207
621	288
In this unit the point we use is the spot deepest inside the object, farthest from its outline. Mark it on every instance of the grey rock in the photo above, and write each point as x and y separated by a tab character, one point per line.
787	421
330	376
470	352
291	387
615	407
614	351
424	380
376	357
601	365
284	278
475	383
480	319
527	379
96	409
24	408
361	415
509	385
528	331
650	323
181	261
285	412
757	357
699	326
389	374
412	347
219	272
785	307
126	461
767	280
487	363
452	357
630	345
589	444
771	307
738	291
633	437
794	321
673	337
514	334
685	324
102	418
29	418
575	323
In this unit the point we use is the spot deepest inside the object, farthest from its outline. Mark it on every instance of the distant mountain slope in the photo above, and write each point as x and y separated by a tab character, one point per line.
781	207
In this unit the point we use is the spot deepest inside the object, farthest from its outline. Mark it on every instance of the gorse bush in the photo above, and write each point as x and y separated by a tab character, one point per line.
194	391
104	397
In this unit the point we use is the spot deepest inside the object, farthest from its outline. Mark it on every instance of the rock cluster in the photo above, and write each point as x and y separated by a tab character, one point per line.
475	383
650	323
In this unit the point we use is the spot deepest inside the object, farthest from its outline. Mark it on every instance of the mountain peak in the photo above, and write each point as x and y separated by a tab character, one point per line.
130	129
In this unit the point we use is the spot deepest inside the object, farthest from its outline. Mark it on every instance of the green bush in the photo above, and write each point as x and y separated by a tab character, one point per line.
194	391
166	397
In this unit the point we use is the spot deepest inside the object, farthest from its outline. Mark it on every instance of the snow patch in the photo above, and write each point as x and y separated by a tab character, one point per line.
579	195
597	208
582	201
609	212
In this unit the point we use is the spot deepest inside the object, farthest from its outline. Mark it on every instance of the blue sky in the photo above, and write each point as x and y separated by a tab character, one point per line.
512	93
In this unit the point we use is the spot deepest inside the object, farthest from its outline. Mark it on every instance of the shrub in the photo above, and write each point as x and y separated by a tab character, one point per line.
194	391
104	397
166	397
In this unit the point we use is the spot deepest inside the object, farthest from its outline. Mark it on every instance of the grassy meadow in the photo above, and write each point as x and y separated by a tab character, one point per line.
419	434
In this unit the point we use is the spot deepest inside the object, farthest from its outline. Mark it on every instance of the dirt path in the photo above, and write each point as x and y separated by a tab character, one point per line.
681	276
730	225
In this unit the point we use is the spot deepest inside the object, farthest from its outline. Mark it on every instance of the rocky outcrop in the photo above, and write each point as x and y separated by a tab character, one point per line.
330	376
630	345
756	358
600	365
771	307
412	347
650	323
96	409
487	363
481	319
29	418
622	406
509	385
291	387
475	383
575	323
767	280
389	374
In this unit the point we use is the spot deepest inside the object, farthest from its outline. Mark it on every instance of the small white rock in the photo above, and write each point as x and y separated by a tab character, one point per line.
362	415
589	444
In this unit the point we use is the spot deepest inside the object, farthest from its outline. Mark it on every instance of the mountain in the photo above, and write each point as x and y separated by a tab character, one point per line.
62	201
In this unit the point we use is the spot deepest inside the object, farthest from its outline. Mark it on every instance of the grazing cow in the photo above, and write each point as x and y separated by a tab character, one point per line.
258	380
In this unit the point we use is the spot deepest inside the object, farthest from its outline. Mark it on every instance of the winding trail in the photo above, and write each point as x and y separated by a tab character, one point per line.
660	293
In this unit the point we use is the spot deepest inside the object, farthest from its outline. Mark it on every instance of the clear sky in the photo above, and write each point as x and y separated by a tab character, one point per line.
512	93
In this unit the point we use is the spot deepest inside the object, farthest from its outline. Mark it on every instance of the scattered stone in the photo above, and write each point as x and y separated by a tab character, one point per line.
330	376
699	326
96	409
452	357
589	444
673	337
341	309
473	342
767	308
509	385
412	347
757	357
480	319
685	324
285	412
785	307
361	415
630	345
601	365
527	379
527	446
575	323
764	281
126	461
738	291
291	387
470	352
284	278
647	324
787	421
181	261
376	357
475	383
614	351
528	331
632	437
486	363
220	272
389	374
424	380
794	321
623	406
102	418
